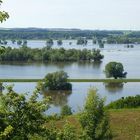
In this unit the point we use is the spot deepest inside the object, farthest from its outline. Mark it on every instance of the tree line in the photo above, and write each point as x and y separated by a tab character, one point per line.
25	53
111	37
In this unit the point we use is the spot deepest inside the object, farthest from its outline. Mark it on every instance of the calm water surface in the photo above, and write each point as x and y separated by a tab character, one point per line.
76	98
130	57
130	60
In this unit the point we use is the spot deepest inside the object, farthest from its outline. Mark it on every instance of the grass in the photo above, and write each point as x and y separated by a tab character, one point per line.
74	80
125	123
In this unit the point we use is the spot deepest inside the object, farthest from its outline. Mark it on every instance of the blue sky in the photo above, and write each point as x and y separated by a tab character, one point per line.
84	14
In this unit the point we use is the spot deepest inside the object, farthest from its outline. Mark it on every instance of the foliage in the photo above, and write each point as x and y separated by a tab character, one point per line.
82	41
67	133
49	42
57	81
59	42
19	42
34	33
115	69
3	15
25	53
66	110
128	102
94	119
21	117
97	56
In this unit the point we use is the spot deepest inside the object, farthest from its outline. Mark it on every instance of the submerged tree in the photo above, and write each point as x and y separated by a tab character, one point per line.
57	81
49	42
59	42
115	69
96	55
82	41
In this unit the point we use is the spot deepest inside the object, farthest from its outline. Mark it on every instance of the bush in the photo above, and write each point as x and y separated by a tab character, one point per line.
94	119
96	55
66	110
128	102
20	117
57	81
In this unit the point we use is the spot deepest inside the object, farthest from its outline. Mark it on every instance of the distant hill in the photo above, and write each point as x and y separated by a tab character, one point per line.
61	33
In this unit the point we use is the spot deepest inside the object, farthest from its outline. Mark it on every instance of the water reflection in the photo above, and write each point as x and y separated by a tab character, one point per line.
114	87
58	98
94	64
59	65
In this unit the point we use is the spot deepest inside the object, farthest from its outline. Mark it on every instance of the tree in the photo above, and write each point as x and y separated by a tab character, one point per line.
24	43
2	49
59	42
57	81
94	119
49	42
1	87
82	41
96	55
21	118
19	42
3	15
13	41
67	133
66	110
115	69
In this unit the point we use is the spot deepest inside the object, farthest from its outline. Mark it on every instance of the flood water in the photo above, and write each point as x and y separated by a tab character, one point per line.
130	60
129	57
76	98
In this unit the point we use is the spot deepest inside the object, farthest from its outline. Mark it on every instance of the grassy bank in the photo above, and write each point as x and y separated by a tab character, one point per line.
125	123
74	80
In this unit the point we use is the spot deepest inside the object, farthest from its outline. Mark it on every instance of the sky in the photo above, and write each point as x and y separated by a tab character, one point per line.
83	14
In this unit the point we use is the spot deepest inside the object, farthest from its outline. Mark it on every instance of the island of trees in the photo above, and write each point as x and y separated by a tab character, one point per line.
57	81
25	53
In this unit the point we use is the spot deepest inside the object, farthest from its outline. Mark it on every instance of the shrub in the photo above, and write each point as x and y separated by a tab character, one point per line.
94	119
57	81
20	117
128	102
66	110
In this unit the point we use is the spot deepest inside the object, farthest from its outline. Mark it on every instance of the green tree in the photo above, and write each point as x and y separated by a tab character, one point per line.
49	42
94	119
115	69
25	43
96	55
82	41
59	42
67	133
2	49
21	118
19	42
13	41
66	110
57	81
3	15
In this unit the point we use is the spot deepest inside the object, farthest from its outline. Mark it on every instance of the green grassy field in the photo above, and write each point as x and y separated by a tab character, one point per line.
125	123
73	80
